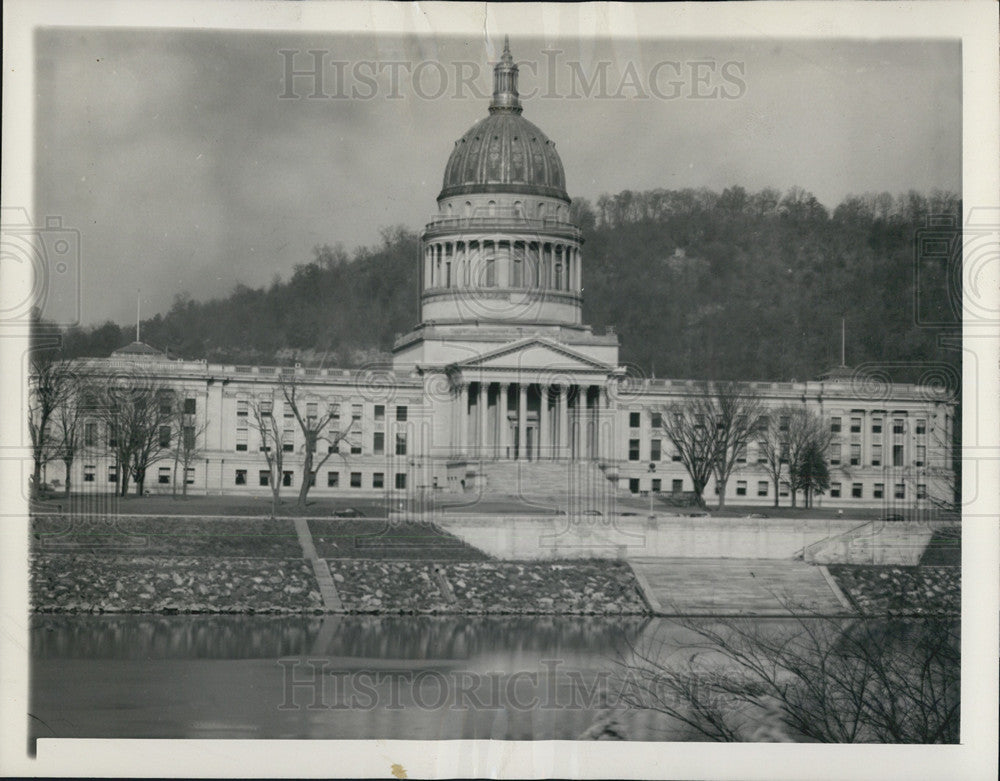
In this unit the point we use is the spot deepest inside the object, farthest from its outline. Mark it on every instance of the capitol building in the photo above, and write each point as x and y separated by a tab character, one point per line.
502	389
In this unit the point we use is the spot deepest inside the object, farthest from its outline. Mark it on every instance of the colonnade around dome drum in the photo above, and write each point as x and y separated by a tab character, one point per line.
531	421
523	262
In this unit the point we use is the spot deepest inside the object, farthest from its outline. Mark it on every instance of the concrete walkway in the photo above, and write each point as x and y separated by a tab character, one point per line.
728	587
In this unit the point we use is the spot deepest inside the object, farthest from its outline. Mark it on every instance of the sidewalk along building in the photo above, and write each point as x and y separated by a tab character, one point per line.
501	388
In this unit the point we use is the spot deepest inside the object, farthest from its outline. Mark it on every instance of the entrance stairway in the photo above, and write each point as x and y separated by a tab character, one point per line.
564	485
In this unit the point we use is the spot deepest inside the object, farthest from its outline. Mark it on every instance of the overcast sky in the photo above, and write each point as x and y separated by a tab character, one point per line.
185	169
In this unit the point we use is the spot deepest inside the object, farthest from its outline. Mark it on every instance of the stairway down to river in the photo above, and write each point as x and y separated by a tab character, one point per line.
572	485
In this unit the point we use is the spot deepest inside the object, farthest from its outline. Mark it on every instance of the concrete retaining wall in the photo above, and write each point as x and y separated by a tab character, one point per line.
877	542
567	537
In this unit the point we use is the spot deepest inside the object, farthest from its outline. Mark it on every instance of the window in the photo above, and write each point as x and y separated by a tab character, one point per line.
378	443
334	444
675	456
741	454
762	452
266	408
677	486
286	479
88	474
855	425
633	450
855	454
876	425
334	411
835	454
655	450
312	479
241	439
333	479
897	455
900	491
288	440
264	477
90	434
378	480
190	406
656	485
921	426
762	486
189	442
112	436
921	455
164	436
355	479
857	491
163	475
878	490
784	453
656	420
401	444
380	412
764	423
835	424
401	413
633	485
876	455
355	448
166	401
741	487
242	408
356	412
312	410
400	480
112	474
241	477
633	420
897	426
189	475
783	423
834	490
921	490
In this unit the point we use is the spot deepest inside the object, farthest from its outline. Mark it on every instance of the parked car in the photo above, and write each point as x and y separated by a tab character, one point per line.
893	517
348	512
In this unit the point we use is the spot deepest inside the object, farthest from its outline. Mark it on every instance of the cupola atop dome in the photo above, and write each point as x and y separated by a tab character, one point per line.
505	153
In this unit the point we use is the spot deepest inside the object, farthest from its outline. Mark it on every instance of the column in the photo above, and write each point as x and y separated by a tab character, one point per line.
563	421
605	431
463	419
504	426
483	403
544	439
522	416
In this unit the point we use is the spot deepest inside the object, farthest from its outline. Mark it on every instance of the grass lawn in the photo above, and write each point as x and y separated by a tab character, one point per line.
251	506
361	538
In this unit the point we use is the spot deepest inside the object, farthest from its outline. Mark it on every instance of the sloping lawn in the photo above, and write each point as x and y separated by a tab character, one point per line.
362	538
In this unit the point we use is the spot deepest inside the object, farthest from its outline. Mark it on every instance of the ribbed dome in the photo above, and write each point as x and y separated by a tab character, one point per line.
505	152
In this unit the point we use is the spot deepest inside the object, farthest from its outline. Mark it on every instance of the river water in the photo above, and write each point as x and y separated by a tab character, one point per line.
342	677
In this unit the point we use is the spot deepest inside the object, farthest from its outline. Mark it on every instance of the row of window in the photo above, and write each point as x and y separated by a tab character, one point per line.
164	475
312	410
836	423
332	479
332	442
835	454
764	488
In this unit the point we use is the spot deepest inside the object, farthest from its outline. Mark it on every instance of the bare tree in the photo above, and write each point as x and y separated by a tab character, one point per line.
812	678
809	437
271	443
737	414
69	425
772	447
315	432
137	416
50	382
710	430
187	433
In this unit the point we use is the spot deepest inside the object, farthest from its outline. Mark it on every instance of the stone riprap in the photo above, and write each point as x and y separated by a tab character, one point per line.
98	583
371	586
891	590
582	587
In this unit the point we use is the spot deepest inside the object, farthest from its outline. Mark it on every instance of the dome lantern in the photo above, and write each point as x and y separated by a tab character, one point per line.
505	96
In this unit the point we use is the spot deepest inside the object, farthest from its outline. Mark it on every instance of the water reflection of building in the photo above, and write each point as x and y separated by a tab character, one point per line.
502	371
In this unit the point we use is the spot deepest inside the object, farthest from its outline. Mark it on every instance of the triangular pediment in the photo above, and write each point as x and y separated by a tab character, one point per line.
535	354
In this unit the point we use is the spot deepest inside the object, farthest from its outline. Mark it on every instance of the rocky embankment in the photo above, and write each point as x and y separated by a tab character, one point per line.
101	583
889	590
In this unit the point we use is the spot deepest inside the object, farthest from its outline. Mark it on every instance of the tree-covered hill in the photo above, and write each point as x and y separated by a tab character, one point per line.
698	284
